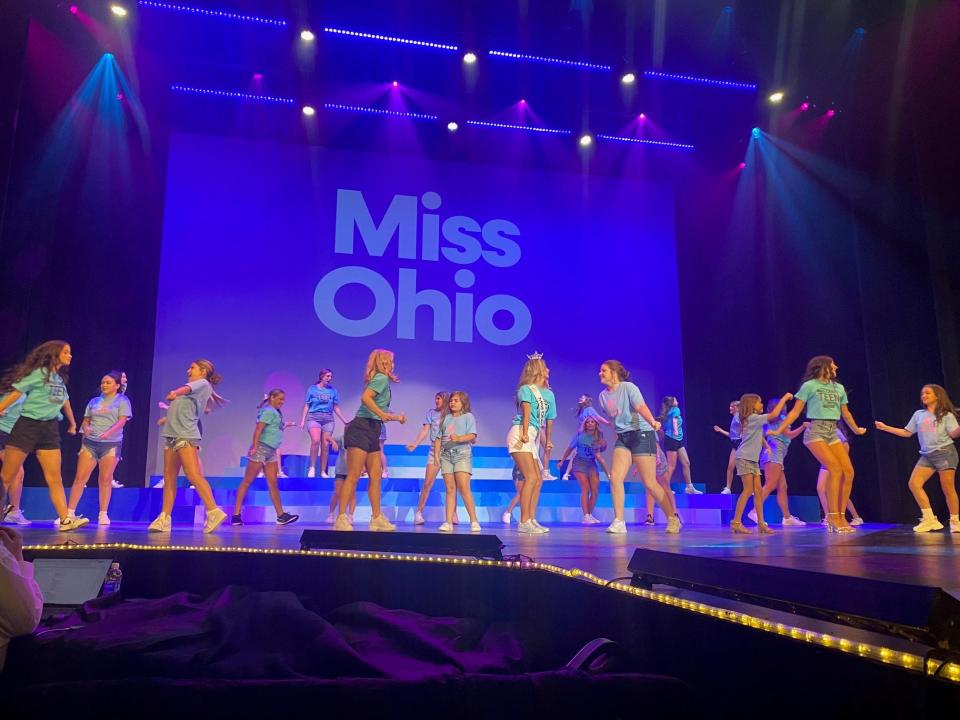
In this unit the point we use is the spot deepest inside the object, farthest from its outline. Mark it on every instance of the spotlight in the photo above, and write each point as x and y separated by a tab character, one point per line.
307	36
396	84
756	133
74	9
522	101
309	111
642	116
804	106
118	10
628	78
831	112
258	76
470	58
586	140
742	165
452	126
776	97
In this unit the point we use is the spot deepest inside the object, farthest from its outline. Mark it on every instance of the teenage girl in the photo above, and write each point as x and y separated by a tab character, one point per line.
431	431
181	444
362	439
536	411
636	443
454	447
339	475
752	422
10	512
672	426
936	428
733	435
320	406
826	402
41	378
586	447
102	430
267	436
772	462
855	518
517	477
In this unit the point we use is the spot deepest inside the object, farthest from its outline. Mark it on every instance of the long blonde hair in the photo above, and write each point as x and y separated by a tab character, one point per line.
377	362
533	369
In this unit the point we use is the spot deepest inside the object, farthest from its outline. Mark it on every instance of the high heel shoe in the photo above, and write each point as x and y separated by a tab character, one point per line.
737	528
833	525
764	529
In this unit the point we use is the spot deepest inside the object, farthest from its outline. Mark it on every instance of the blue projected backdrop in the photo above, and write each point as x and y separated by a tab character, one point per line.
278	260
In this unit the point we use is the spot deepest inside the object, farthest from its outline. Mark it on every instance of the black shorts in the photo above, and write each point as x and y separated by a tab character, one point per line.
735	442
364	434
3	439
29	435
638	442
671	445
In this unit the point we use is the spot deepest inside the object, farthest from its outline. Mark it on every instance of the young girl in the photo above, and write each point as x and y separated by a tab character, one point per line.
636	443
102	430
340	474
586	447
181	444
10	512
936	428
41	379
826	401
672	423
536	411
267	436
752	421
458	432
362	439
430	430
772	456
733	435
517	478
855	518
319	407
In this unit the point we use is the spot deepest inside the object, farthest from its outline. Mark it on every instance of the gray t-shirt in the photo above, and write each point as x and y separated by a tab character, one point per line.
104	415
341	467
752	438
186	410
932	435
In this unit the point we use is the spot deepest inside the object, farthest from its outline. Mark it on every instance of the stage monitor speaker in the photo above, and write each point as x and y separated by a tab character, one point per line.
466	545
915	612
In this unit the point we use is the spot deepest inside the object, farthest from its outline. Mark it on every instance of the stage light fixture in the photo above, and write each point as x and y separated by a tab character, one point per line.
549	60
74	10
118	10
831	112
804	106
776	97
755	133
641	141
186	89
527	128
452	126
377	111
742	165
220	14
522	101
307	36
309	111
585	140
628	78
692	79
641	117
470	58
258	77
395	83
388	38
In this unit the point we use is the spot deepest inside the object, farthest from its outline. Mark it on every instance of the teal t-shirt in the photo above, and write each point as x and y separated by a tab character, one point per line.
380	384
185	411
104	415
823	399
462	424
673	424
46	394
618	405
781	438
272	433
10	417
548	411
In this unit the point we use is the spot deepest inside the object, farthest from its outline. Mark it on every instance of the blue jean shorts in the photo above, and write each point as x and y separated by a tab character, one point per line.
582	465
99	450
638	442
456	459
945	459
180	443
821	431
263	454
775	455
320	421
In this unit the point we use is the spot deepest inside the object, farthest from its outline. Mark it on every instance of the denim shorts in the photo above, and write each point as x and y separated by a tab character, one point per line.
320	421
364	434
456	459
180	443
638	442
775	455
943	459
582	465
99	450
383	432
263	454
821	431
747	467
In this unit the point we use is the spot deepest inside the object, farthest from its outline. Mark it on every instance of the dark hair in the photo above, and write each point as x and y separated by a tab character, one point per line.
118	376
43	356
668	402
816	366
323	371
944	404
213	377
267	397
618	369
772	404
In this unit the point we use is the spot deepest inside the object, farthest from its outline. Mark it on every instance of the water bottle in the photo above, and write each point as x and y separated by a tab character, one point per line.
111	583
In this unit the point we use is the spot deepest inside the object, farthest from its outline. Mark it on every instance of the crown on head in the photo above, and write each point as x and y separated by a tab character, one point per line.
535	356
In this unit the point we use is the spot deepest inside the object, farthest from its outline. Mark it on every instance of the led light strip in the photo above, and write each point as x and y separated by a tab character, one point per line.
212	13
944	669
378	111
388	38
508	126
640	141
733	85
550	60
232	95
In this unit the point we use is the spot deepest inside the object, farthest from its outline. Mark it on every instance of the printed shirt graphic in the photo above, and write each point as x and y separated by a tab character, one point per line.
104	416
526	395
321	400
673	424
463	424
380	384
586	446
186	410
45	393
823	399
932	435
272	433
618	405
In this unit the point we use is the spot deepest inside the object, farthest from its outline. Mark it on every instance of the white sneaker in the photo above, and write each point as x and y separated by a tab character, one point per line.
311	472
158	483
260	474
115	484
673	525
384	474
16	517
103	519
506	517
792	521
343	522
381	524
331	519
856	521
72	523
418	518
618	527
445	527
529	528
954	526
161	524
214	518
282	474
474	527
323	474
752	515
928	524
547	475
70	514
725	491
691	490
824	522
540	527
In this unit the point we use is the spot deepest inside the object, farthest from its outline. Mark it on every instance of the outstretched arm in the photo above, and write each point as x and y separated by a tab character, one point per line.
794	413
851	423
419	438
899	432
